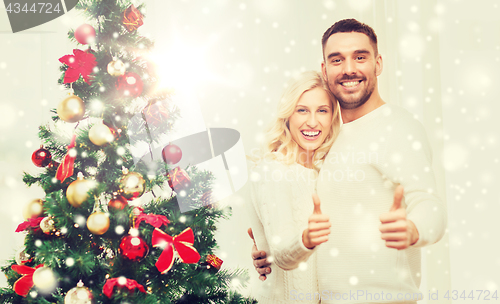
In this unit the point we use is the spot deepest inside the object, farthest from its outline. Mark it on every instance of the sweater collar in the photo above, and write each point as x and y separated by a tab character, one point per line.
365	118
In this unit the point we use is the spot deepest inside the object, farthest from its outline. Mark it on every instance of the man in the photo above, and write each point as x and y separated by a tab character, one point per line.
376	184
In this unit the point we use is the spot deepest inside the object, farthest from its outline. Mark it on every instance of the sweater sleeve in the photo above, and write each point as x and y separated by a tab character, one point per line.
408	161
271	201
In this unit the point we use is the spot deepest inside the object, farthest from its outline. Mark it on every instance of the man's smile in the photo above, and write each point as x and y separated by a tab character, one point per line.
350	83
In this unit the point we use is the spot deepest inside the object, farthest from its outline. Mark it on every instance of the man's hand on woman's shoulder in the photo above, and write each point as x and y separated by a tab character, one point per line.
262	266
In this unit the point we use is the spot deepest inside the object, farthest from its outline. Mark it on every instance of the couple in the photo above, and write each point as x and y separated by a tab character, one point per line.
358	239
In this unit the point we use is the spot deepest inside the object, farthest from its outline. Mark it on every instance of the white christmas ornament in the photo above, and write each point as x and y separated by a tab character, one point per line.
79	295
45	280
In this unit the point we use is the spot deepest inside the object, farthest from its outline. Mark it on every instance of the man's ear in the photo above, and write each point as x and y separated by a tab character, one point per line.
379	65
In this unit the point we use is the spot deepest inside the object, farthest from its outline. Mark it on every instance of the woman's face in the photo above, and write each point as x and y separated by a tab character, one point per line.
311	120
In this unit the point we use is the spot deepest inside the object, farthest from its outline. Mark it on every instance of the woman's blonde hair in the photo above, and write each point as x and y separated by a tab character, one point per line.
278	137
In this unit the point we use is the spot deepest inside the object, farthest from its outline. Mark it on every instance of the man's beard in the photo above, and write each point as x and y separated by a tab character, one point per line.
350	103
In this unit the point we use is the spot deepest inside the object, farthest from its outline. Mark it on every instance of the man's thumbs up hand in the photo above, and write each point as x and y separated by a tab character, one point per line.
398	196
318	228
397	231
317	204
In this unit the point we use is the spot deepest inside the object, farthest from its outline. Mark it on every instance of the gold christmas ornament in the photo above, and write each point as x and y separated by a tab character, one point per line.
77	191
33	209
45	280
116	68
47	225
98	223
71	109
79	295
22	257
100	134
132	185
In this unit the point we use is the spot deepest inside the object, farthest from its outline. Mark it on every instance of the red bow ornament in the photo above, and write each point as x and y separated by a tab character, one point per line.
121	282
25	283
80	63
153	219
66	167
182	244
30	224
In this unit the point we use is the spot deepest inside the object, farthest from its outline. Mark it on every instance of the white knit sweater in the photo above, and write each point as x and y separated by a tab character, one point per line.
281	199
356	185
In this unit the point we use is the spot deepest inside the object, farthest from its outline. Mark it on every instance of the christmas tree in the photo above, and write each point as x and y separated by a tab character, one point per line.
86	241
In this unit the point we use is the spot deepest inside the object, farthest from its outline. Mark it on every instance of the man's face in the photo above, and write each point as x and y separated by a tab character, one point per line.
351	68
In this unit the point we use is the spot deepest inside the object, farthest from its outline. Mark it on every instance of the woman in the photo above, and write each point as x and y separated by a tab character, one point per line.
282	183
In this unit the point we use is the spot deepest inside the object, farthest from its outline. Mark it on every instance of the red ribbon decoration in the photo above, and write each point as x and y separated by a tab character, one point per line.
153	219
66	167
183	245
25	283
80	63
129	284
30	223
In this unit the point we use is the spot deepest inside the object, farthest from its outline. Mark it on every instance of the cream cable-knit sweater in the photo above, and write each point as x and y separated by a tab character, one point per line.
356	185
281	199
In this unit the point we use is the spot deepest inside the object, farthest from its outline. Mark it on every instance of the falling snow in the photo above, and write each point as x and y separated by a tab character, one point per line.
440	63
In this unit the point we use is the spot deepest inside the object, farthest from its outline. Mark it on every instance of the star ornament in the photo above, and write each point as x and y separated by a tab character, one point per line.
181	244
80	63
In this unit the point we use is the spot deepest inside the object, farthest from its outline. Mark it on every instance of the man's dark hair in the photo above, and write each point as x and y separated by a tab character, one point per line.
349	26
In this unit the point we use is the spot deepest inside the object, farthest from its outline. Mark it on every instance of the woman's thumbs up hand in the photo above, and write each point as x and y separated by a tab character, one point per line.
318	227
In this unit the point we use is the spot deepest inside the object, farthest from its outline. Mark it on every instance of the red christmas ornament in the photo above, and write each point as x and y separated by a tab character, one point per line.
130	84
132	18
118	203
80	63
41	157
133	248
178	179
85	33
171	154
